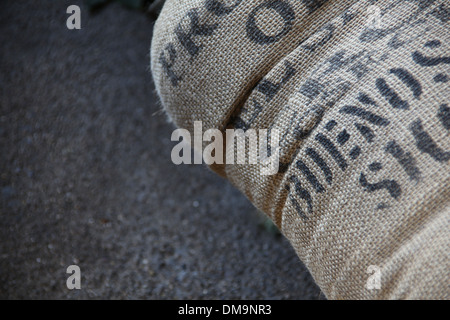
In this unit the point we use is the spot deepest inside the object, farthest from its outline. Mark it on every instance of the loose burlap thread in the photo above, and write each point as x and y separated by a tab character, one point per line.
359	91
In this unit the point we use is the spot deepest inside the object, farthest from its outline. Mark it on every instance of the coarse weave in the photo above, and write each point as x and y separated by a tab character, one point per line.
359	91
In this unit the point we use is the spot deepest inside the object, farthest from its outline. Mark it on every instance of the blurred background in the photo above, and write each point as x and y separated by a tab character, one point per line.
87	178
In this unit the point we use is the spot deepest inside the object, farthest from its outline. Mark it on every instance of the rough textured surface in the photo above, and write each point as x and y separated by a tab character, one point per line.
357	101
86	176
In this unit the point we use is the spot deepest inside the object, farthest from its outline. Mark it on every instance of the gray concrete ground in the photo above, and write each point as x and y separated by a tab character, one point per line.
86	176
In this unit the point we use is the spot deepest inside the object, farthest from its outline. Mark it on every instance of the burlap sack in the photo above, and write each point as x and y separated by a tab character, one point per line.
359	91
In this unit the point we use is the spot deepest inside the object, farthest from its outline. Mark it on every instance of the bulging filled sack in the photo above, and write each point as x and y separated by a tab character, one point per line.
358	94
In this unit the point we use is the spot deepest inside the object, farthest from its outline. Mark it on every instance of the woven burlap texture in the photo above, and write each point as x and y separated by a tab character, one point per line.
359	91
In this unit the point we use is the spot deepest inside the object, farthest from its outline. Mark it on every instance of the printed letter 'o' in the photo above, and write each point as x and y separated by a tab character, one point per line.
283	9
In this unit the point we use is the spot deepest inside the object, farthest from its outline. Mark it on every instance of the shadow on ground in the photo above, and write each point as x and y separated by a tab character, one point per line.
86	176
